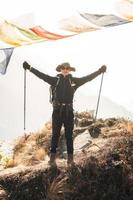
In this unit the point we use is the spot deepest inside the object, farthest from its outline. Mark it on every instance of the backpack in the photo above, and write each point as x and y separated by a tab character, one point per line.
52	89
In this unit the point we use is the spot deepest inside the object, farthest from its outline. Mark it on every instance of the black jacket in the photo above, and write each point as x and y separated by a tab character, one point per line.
66	85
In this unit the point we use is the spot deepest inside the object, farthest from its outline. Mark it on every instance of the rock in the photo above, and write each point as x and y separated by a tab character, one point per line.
79	130
3	194
81	141
94	131
85	122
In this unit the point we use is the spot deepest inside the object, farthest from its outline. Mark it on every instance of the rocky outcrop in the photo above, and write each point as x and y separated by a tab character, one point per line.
103	168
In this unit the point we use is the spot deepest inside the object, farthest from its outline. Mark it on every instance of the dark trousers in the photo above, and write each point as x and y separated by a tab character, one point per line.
62	116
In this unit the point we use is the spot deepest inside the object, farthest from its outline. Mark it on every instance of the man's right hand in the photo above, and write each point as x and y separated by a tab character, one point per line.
26	65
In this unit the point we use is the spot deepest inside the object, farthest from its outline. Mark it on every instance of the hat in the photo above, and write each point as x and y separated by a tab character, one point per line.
64	65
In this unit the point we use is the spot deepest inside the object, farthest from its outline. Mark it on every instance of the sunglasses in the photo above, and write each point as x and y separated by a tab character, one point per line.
65	67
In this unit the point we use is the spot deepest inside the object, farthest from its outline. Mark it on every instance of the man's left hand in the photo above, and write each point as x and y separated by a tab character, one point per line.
103	69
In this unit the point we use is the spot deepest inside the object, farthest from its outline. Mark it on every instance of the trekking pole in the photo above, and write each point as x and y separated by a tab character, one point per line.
94	130
99	97
24	99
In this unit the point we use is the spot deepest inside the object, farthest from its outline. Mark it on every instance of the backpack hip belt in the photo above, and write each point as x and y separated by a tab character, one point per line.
62	104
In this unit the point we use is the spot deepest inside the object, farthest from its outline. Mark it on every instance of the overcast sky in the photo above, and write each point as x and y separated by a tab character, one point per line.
51	8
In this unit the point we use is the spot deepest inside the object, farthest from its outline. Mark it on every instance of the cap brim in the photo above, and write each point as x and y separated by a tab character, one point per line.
59	68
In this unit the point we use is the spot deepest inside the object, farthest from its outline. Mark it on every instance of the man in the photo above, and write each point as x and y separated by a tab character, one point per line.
63	86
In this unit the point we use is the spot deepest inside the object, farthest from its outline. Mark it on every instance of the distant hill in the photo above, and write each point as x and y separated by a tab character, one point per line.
107	108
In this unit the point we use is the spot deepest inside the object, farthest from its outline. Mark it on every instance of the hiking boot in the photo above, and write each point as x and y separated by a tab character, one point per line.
70	161
52	161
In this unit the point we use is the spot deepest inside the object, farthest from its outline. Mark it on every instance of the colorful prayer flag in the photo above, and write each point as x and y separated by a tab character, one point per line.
104	20
15	35
5	56
125	9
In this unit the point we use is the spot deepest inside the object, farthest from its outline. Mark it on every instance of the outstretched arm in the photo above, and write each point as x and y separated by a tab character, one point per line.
49	79
85	79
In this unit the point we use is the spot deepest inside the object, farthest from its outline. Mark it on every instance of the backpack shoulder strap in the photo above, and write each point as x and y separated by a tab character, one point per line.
52	89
